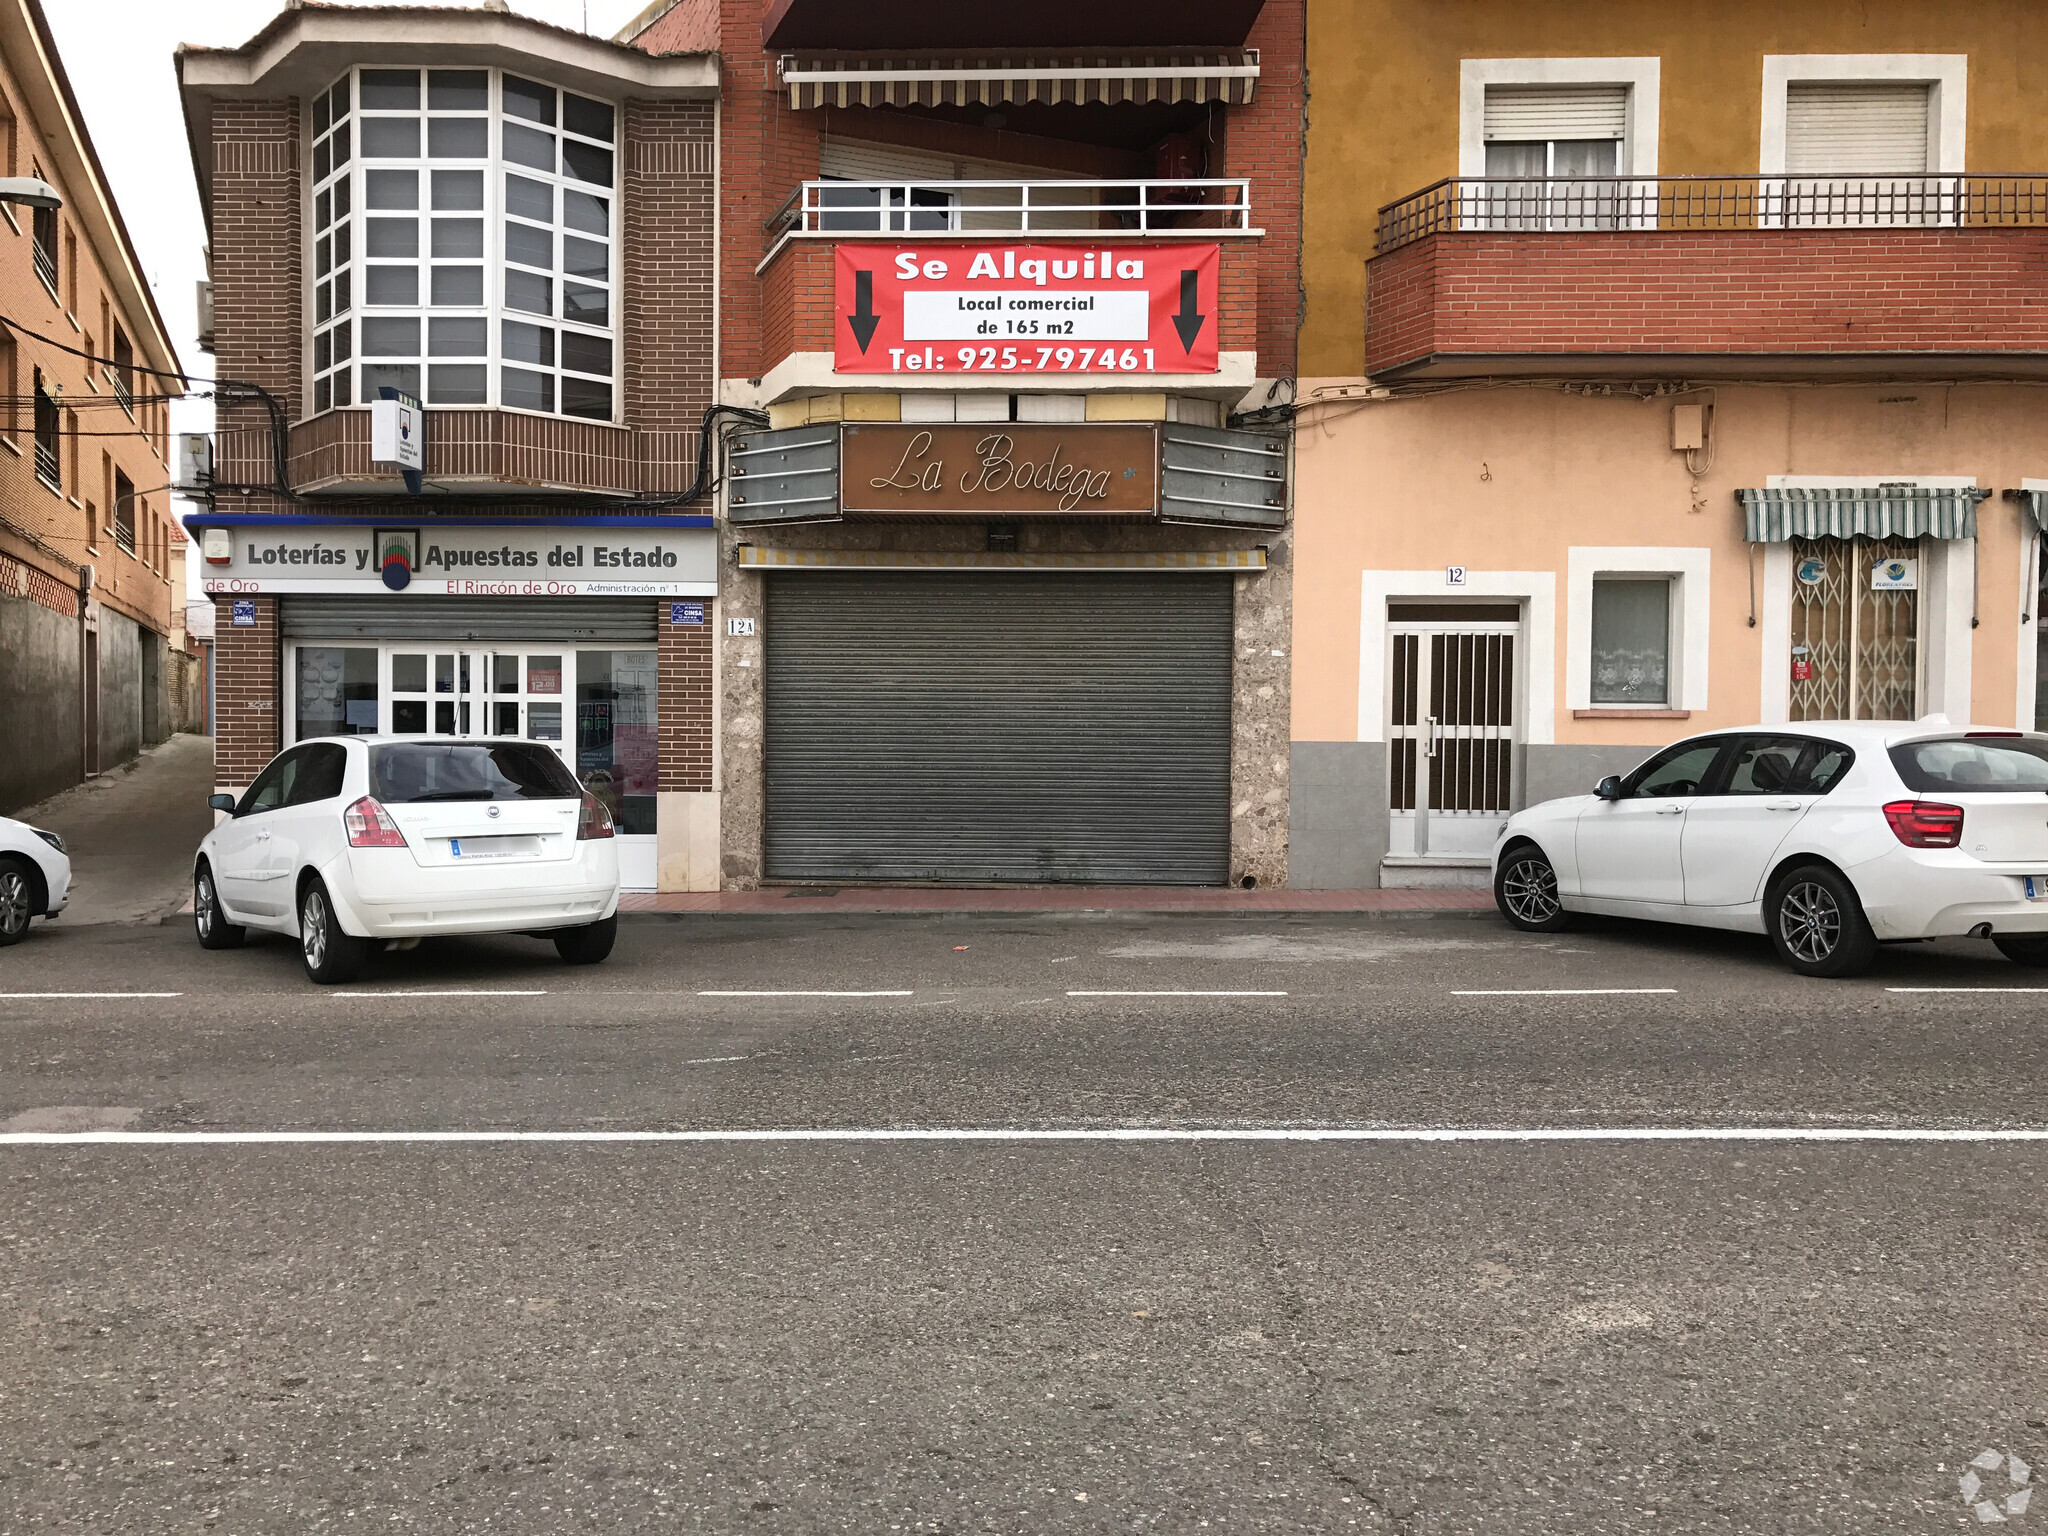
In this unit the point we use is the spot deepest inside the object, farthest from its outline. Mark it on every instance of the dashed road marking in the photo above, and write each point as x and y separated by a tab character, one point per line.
1177	994
1571	992
23	996
447	992
806	994
1966	989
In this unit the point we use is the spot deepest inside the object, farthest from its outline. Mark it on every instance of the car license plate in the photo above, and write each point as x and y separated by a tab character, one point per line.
2037	887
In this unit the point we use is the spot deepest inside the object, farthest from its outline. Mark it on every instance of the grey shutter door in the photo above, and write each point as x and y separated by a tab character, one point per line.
626	621
1011	728
1834	128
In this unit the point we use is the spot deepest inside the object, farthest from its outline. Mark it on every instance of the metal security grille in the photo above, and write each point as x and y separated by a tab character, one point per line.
1861	646
1451	732
1009	728
406	617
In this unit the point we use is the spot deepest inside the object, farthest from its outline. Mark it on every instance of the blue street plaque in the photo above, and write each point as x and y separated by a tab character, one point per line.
686	613
245	613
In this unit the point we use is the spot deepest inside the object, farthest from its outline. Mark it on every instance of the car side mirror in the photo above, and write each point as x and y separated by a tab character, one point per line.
223	803
1609	788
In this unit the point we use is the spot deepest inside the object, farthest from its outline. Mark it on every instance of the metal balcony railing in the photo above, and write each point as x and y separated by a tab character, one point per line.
1907	200
46	460
122	392
1053	208
46	264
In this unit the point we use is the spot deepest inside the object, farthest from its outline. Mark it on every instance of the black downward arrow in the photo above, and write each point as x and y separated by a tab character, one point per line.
863	319
1189	321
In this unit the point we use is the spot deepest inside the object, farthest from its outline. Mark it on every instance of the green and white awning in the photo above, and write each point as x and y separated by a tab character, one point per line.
2034	504
1883	512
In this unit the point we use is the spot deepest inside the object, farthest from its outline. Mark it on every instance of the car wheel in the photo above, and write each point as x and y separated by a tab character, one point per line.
17	900
331	956
214	930
1817	923
1525	890
589	944
2023	948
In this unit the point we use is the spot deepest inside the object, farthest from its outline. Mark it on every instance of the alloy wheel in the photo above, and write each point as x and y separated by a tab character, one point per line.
202	907
1811	921
13	901
1530	890
313	930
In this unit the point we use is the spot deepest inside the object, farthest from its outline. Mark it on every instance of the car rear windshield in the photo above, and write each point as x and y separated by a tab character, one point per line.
509	770
1975	765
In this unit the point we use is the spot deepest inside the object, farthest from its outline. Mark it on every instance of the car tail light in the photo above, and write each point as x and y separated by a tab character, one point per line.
1926	823
593	820
370	826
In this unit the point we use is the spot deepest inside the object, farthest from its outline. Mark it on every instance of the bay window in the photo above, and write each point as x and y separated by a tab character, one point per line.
464	242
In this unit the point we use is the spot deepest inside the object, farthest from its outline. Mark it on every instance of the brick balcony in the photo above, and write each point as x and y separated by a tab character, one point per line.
1649	272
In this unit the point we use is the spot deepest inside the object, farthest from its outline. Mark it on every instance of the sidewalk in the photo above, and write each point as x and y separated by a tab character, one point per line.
808	900
132	831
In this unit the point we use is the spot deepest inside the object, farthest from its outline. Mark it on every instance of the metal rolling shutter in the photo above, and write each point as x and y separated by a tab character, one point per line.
1832	128
973	728
860	160
1529	114
624	621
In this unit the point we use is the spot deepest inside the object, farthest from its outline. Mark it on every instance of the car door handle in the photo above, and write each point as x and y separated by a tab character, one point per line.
1786	805
1670	810
262	837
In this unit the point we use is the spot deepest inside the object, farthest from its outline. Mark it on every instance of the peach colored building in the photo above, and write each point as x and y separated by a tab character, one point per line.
85	527
1663	370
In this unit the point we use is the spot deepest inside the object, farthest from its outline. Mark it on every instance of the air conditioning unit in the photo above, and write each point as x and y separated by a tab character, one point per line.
195	462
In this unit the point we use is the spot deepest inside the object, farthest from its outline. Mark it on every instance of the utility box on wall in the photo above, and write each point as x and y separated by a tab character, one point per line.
1688	428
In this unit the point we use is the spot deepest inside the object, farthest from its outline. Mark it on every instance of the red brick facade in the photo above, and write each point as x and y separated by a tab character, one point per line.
768	149
248	700
685	664
1813	293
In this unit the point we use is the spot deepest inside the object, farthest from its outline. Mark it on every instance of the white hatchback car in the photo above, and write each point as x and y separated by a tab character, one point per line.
1830	836
347	841
35	877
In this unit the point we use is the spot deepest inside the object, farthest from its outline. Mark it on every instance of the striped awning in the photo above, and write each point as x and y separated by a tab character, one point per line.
1885	512
2034	504
984	82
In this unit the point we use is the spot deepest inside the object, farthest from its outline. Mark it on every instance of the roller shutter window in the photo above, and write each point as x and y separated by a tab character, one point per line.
1834	128
852	210
560	620
1012	728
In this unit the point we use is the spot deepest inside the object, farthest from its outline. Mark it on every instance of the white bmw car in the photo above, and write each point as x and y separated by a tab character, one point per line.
1831	836
35	877
346	842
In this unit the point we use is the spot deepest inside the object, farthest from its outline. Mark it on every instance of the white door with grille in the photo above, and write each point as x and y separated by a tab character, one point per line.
1451	735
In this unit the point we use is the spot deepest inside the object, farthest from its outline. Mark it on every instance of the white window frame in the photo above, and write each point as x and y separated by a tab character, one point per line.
1947	602
495	166
1642	76
1690	572
1946	74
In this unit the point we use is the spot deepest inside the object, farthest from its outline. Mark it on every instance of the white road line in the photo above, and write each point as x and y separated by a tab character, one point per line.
706	1061
1176	994
24	995
1573	992
806	994
1967	990
450	992
1524	1134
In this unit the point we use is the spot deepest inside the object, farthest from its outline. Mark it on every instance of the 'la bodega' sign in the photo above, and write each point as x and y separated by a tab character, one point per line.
489	560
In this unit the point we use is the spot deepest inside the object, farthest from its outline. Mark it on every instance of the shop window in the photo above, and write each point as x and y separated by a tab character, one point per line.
616	744
445	200
337	691
1632	643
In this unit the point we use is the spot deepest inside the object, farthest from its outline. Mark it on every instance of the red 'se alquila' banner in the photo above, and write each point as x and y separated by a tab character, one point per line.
983	309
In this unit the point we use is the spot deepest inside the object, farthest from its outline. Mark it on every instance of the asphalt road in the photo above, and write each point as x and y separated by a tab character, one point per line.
788	1335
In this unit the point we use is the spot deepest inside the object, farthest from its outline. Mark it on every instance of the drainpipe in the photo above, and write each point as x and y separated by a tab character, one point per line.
85	753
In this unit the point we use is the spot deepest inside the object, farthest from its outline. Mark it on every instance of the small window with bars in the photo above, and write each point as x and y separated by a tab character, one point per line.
124	512
48	463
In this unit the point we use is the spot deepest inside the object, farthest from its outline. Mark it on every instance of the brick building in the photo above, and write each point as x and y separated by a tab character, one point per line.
85	530
511	225
1007	569
1664	370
